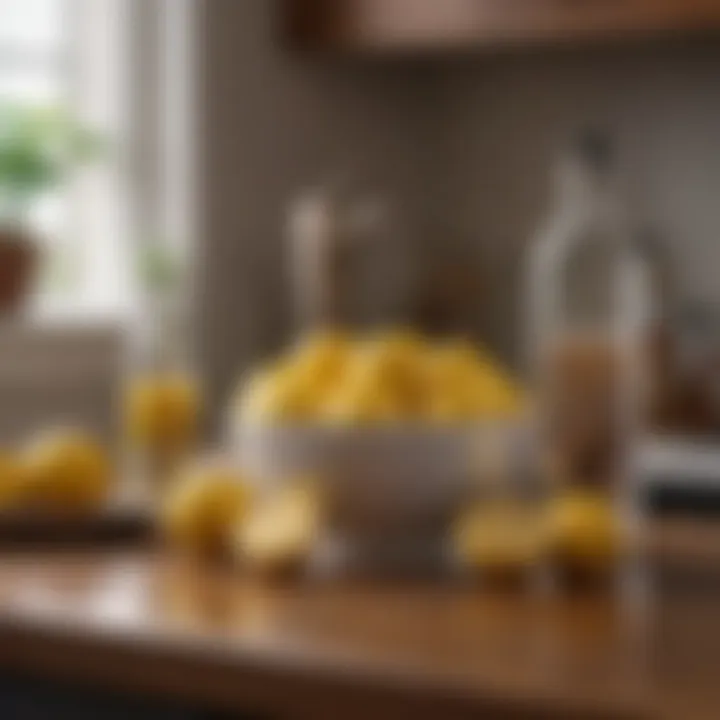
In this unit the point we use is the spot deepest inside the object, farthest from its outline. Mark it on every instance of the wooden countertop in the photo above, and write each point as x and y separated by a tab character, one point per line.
138	621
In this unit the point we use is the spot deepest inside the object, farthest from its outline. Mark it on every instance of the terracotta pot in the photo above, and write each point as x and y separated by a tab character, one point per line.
17	264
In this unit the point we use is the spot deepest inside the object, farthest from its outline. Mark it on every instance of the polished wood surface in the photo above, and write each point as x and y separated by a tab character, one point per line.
144	622
418	24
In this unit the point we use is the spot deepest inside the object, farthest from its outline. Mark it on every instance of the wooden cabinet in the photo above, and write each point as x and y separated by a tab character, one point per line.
427	24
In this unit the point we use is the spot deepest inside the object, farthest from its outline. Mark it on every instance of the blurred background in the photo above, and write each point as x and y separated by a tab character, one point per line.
187	186
214	116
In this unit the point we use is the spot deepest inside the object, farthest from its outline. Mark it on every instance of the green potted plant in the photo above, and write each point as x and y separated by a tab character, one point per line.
38	149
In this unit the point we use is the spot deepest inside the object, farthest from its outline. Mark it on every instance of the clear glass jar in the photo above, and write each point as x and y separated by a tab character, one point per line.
161	403
588	317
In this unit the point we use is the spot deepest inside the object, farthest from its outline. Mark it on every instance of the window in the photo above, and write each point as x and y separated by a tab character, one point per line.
121	67
124	68
67	53
34	69
33	49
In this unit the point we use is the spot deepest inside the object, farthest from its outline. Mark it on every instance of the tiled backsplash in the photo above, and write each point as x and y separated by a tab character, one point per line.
461	146
508	116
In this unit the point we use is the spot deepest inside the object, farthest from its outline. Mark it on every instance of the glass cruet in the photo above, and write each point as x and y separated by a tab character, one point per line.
588	315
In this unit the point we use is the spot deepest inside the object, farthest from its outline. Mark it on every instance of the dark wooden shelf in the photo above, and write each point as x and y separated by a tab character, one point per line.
377	25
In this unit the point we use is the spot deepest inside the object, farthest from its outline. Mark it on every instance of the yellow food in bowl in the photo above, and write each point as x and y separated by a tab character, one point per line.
380	385
392	377
465	385
322	358
392	367
359	404
296	387
278	394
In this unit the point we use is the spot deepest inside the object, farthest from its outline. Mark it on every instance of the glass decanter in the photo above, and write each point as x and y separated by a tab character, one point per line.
589	312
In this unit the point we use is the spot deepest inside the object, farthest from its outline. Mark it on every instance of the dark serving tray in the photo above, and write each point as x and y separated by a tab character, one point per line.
107	527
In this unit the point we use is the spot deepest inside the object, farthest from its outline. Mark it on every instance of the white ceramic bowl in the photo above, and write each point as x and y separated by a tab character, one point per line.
404	477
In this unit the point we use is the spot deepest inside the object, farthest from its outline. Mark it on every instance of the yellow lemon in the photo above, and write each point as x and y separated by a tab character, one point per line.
297	387
203	504
358	405
321	357
392	367
450	407
493	395
456	359
452	371
162	411
65	469
465	384
584	528
277	395
373	391
498	536
280	532
399	352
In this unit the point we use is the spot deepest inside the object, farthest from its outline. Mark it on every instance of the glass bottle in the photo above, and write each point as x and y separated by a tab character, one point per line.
588	316
162	396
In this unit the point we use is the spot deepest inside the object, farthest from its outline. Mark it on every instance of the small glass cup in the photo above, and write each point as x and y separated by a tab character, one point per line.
499	535
162	399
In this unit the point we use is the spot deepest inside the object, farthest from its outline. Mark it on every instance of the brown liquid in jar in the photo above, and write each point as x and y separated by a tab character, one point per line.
589	402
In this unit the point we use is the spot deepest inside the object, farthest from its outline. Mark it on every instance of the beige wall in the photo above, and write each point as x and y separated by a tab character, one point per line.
460	147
